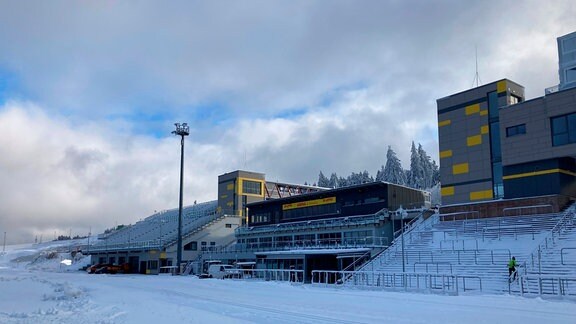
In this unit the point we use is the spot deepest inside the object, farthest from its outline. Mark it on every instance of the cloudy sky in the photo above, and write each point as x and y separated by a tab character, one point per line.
89	92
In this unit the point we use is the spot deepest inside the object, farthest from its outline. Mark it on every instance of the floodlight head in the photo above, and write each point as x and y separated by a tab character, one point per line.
181	129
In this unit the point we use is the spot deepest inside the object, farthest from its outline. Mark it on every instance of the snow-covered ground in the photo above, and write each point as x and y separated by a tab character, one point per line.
39	288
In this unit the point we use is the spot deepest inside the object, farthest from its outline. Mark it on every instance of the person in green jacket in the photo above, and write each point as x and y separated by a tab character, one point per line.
512	268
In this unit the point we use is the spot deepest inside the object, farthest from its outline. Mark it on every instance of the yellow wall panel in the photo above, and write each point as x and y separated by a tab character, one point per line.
472	109
479	195
483	112
501	86
444	123
474	140
484	129
447	191
445	154
460	168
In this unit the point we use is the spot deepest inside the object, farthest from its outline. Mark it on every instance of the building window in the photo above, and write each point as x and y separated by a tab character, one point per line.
498	188
493	104
192	246
512	100
563	129
515	130
228	225
495	142
252	187
153	265
571	75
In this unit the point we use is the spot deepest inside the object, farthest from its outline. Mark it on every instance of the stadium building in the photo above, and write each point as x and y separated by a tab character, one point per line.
268	224
150	244
494	144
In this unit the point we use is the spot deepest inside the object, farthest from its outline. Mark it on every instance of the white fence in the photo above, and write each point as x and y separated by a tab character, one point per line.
289	275
430	282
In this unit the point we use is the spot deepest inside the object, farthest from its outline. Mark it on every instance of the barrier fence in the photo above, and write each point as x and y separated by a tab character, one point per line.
432	282
289	275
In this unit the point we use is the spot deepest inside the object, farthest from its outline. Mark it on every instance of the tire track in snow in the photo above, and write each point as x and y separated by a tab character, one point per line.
298	317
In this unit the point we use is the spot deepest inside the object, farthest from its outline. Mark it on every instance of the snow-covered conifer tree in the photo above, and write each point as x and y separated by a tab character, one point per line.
333	183
415	178
393	171
323	180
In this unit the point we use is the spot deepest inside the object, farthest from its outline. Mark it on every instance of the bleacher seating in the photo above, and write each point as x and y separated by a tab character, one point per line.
160	229
480	248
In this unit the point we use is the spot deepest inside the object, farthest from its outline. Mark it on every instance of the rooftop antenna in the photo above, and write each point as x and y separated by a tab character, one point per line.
476	76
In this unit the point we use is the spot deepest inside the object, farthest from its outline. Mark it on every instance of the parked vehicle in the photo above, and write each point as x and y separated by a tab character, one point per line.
221	271
93	268
109	268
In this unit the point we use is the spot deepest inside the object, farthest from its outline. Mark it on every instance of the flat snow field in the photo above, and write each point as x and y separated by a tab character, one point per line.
32	296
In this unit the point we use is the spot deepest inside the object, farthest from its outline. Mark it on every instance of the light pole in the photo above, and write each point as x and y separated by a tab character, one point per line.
181	130
89	233
402	215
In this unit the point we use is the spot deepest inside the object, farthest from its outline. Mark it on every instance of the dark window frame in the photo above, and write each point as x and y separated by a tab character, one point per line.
516	130
563	129
251	187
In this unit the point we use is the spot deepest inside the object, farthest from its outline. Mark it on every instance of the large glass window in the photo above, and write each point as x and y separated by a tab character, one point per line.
252	187
310	211
563	129
495	142
498	188
493	104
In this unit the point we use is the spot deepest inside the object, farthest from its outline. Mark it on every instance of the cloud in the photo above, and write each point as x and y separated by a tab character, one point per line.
58	175
261	57
89	92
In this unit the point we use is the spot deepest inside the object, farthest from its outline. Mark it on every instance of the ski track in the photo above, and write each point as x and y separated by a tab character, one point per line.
294	317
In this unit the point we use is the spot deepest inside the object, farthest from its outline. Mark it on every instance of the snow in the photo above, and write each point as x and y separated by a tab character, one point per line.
39	288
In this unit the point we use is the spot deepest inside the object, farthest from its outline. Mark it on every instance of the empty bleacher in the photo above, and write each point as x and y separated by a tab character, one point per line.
468	253
160	229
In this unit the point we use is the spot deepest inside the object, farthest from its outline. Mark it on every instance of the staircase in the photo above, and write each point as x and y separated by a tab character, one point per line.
456	255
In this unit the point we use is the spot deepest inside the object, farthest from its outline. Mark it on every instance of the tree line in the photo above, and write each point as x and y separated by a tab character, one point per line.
423	173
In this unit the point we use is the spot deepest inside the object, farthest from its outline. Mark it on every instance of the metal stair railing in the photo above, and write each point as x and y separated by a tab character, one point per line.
535	257
391	251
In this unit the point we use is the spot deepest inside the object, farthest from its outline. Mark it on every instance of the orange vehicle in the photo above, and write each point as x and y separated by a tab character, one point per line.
109	268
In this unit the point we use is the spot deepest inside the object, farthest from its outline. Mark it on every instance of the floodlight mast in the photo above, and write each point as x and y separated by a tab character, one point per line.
181	130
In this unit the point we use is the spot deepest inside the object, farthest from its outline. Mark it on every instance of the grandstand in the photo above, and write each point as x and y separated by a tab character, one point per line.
207	227
464	253
150	243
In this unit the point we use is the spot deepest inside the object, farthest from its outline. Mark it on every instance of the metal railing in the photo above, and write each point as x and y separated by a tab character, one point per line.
366	242
390	253
289	275
437	264
493	256
548	285
440	283
535	209
312	224
455	244
562	254
535	257
474	214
